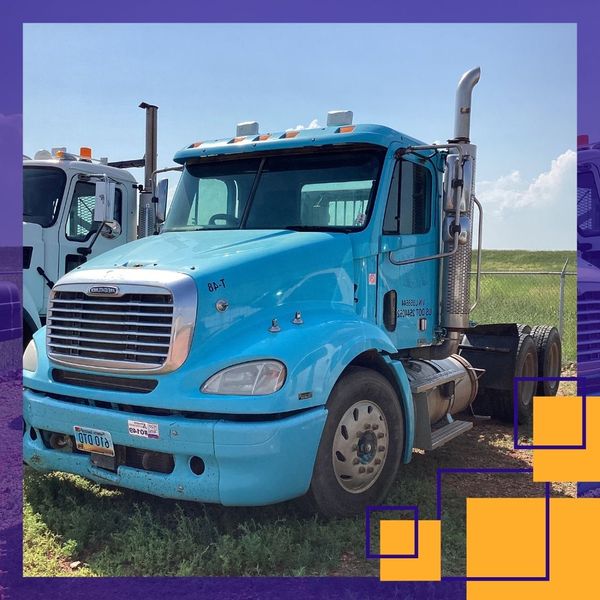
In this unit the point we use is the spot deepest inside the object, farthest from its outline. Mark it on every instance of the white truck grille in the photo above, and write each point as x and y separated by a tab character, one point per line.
121	320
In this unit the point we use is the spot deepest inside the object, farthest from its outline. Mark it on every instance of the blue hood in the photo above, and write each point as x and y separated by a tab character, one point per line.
252	269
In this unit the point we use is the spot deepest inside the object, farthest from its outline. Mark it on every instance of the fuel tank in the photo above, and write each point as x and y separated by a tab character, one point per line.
449	385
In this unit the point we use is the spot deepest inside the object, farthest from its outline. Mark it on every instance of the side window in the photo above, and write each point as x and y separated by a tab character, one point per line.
80	220
408	208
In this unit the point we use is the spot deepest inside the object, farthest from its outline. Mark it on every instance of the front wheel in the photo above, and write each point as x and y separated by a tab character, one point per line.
361	446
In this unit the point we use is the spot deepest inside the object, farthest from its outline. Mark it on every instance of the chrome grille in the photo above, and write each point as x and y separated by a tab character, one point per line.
121	320
132	328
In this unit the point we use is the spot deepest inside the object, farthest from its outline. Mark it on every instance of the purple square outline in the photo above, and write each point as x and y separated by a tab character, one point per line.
369	510
546	577
581	391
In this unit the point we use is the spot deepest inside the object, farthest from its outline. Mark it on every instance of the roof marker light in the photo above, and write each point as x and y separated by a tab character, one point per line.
583	140
290	134
42	155
263	137
339	118
346	129
239	138
246	128
85	153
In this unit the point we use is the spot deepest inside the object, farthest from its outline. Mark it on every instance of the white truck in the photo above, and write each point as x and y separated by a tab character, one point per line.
59	227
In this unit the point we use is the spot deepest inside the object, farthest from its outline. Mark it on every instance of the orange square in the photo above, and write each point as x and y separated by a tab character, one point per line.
397	537
557	421
567	465
506	537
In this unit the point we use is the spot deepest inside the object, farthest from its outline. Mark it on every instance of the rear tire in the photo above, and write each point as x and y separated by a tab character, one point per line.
361	446
526	365
549	350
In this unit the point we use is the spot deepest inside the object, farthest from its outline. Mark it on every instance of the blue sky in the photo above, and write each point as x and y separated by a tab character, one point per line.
82	85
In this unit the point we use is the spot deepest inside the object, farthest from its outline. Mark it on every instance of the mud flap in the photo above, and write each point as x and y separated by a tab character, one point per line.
492	348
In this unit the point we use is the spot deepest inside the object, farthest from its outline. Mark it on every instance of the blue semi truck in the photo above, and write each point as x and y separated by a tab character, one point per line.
299	326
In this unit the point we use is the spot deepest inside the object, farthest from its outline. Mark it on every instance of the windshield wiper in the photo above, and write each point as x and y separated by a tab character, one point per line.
318	228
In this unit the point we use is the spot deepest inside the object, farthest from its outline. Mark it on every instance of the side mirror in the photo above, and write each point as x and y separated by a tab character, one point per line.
162	190
458	183
104	209
111	230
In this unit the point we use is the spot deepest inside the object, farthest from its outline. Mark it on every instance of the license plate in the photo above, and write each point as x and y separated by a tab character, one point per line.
93	440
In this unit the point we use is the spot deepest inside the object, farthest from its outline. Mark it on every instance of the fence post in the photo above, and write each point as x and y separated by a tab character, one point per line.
561	300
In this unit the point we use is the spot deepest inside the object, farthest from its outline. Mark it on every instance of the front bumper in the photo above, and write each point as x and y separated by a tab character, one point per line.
247	463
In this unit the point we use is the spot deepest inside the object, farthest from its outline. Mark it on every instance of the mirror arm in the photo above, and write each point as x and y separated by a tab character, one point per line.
87	250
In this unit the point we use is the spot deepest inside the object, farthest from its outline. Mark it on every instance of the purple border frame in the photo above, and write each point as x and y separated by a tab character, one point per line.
585	13
581	391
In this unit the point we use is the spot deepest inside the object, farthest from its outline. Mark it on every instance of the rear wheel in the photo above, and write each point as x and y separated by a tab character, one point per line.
361	445
549	351
526	365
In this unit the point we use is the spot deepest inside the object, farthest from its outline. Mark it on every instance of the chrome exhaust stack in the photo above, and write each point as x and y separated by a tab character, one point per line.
459	187
462	116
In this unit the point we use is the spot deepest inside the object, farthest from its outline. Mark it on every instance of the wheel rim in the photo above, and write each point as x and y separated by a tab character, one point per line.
528	387
360	446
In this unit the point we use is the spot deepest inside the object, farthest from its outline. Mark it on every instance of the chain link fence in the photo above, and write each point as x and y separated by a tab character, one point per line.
532	298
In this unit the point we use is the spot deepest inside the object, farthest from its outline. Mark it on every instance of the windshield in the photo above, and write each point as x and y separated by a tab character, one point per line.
324	191
588	204
43	189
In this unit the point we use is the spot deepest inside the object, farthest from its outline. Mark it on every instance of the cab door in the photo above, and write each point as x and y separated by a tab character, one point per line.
408	294
79	228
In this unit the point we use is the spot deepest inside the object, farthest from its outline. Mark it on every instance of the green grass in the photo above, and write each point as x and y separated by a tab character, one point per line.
529	299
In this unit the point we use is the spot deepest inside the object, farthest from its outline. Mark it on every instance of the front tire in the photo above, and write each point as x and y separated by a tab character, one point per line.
361	446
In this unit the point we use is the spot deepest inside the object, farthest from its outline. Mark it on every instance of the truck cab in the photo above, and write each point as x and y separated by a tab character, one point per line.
299	326
58	224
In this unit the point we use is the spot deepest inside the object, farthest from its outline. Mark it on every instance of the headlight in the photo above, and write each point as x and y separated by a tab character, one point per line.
257	378
30	360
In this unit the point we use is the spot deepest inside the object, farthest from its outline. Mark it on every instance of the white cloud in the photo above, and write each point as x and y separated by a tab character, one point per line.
314	124
553	187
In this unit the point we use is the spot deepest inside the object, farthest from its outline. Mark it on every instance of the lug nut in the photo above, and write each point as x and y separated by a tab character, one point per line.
355	461
361	469
380	435
367	425
355	447
377	461
375	427
381	448
369	469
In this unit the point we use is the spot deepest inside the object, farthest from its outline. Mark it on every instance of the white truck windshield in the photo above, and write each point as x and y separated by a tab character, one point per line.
317	191
43	189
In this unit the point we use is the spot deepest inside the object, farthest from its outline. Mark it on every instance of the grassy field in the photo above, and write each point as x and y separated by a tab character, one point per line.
76	528
530	299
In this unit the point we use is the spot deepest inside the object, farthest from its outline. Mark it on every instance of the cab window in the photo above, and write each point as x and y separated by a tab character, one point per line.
80	220
408	210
